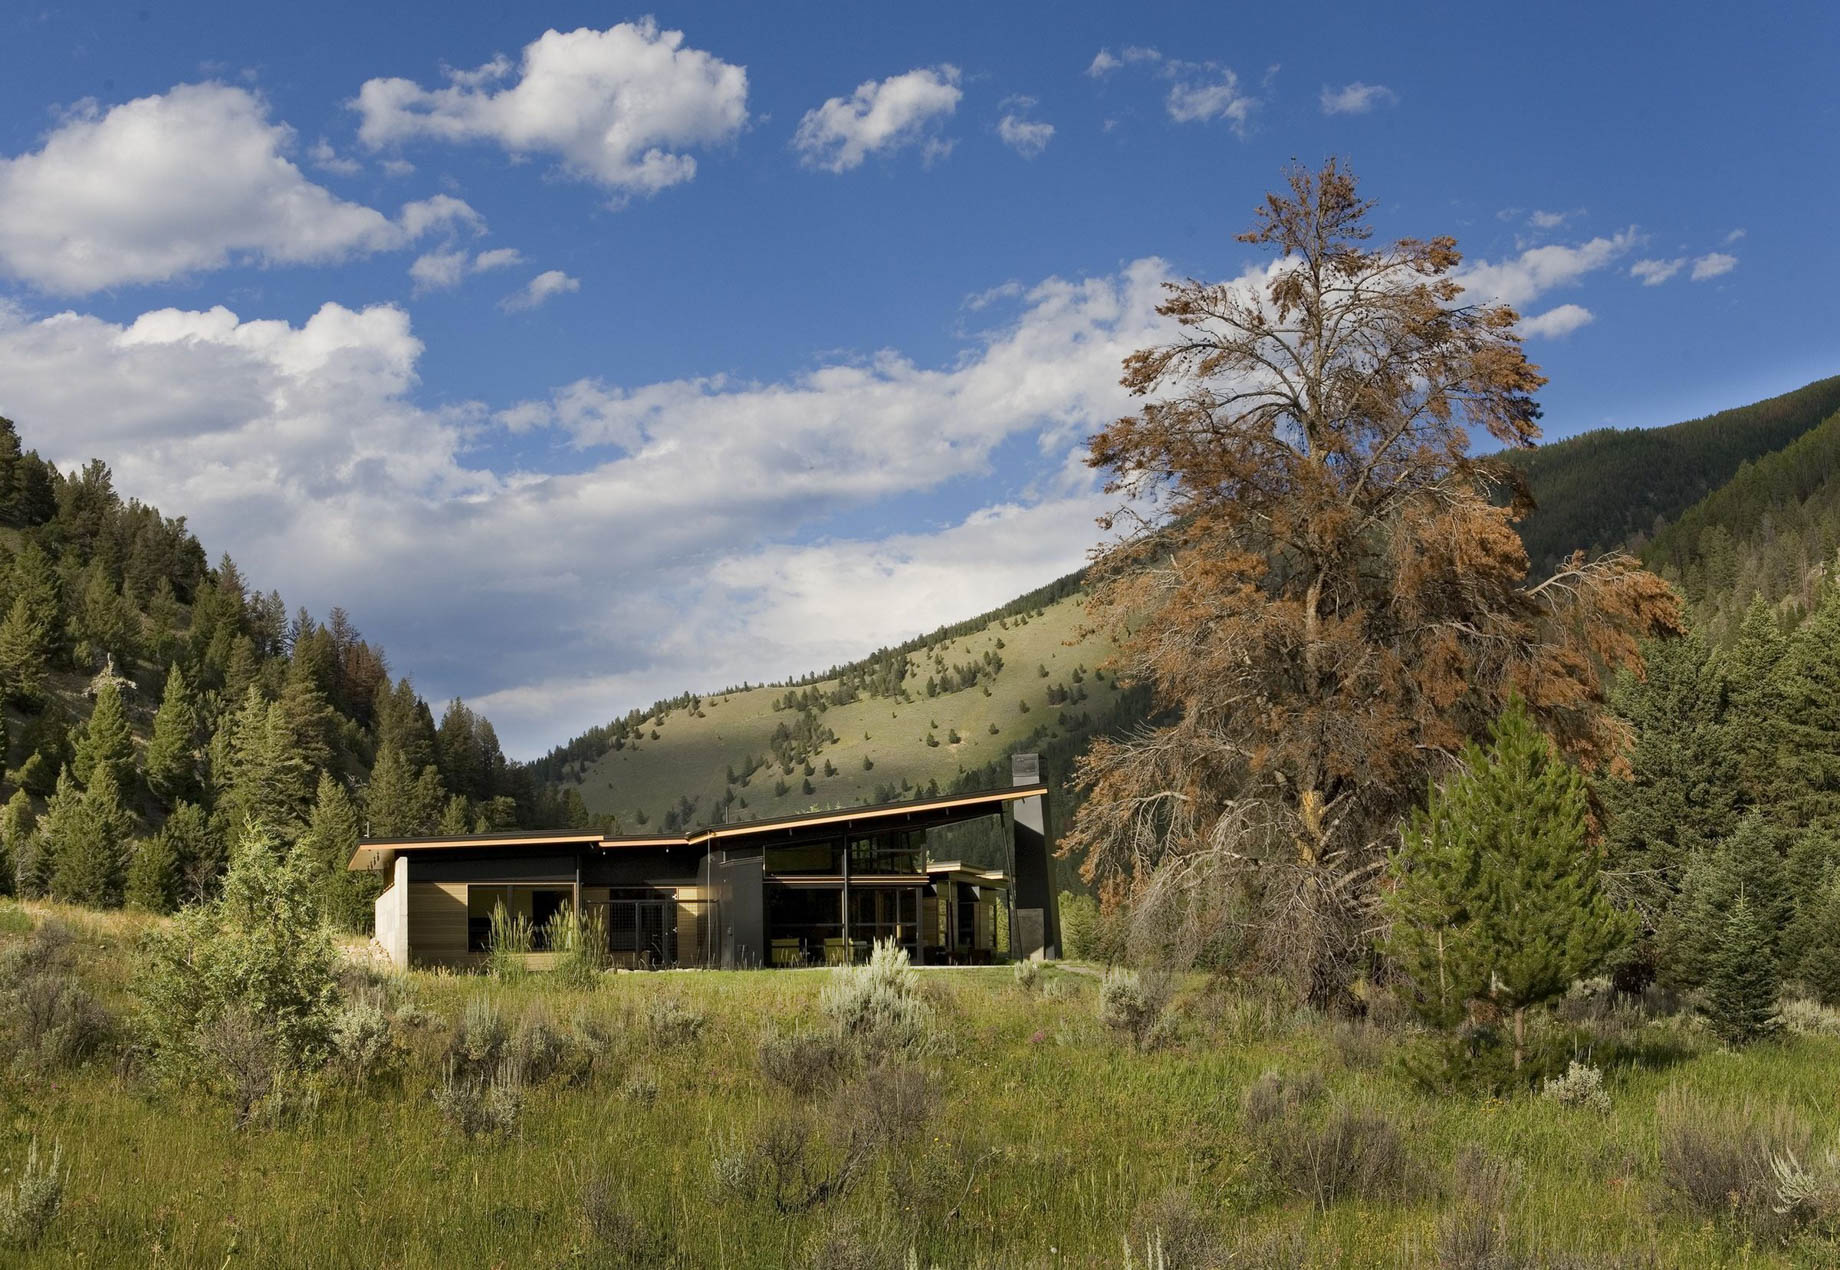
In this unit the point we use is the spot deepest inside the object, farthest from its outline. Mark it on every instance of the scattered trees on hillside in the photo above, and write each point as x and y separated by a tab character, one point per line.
1314	581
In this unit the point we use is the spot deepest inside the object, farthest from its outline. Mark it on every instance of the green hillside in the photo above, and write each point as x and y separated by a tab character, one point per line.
1616	486
939	714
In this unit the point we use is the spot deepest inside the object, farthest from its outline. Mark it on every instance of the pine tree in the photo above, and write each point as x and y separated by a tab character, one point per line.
153	875
1500	895
104	741
309	719
1810	724
399	802
1811	945
327	845
261	777
19	834
172	754
1742	989
35	580
87	833
1749	862
456	818
1754	670
1681	789
24	654
198	853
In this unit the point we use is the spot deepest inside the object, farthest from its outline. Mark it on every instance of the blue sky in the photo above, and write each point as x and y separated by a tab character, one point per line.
587	356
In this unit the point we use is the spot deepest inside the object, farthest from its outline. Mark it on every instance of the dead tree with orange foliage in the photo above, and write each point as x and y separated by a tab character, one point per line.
1310	572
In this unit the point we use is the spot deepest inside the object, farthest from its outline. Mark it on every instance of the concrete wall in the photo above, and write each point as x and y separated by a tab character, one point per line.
392	914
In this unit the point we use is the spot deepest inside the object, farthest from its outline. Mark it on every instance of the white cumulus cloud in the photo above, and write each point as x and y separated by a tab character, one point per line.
1203	92
1714	264
1356	98
445	270
546	285
618	107
193	179
1522	279
1652	273
879	117
1103	63
1556	322
1027	137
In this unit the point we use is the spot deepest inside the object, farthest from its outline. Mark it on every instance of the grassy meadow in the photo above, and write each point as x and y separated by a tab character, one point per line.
715	1119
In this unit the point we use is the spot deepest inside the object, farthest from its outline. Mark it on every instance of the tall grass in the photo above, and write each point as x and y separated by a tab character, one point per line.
1036	1138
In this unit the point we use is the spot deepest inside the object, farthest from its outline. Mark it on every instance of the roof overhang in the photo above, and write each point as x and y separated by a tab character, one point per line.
378	854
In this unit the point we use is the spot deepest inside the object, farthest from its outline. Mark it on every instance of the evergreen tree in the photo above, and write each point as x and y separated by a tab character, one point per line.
87	833
243	670
104	741
153	875
1750	863
327	845
102	623
309	719
198	853
1810	724
263	778
1815	935
24	654
172	754
1498	891
18	834
1743	986
1681	789
35	580
399	802
1754	671
456	818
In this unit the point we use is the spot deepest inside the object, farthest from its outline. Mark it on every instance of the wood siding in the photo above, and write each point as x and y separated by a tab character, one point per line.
437	923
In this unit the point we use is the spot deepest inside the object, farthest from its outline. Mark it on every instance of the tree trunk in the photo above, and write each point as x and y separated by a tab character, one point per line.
1520	1035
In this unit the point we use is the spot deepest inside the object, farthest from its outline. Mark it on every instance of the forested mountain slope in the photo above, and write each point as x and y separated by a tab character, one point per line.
153	705
1772	530
1614	487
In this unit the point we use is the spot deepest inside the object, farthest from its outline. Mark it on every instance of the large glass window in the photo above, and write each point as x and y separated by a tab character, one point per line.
898	851
535	904
804	859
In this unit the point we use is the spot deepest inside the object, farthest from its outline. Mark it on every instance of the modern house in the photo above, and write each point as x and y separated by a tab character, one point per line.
811	889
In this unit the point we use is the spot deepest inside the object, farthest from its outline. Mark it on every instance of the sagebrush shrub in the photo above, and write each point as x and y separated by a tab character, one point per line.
878	1005
481	1106
362	1041
1717	1160
1273	1096
1354	1152
1134	1005
803	1062
480	1040
670	1020
617	1235
1178	1235
30	1205
1581	1086
1028	974
1803	1016
49	1017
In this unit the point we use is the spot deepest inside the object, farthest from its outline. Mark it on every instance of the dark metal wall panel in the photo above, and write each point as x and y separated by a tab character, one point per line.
740	892
642	866
485	866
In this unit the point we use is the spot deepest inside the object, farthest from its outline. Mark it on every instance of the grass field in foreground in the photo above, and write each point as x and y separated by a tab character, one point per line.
1029	1136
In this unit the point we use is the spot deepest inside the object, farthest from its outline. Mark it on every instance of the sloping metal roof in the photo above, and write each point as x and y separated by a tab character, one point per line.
380	853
